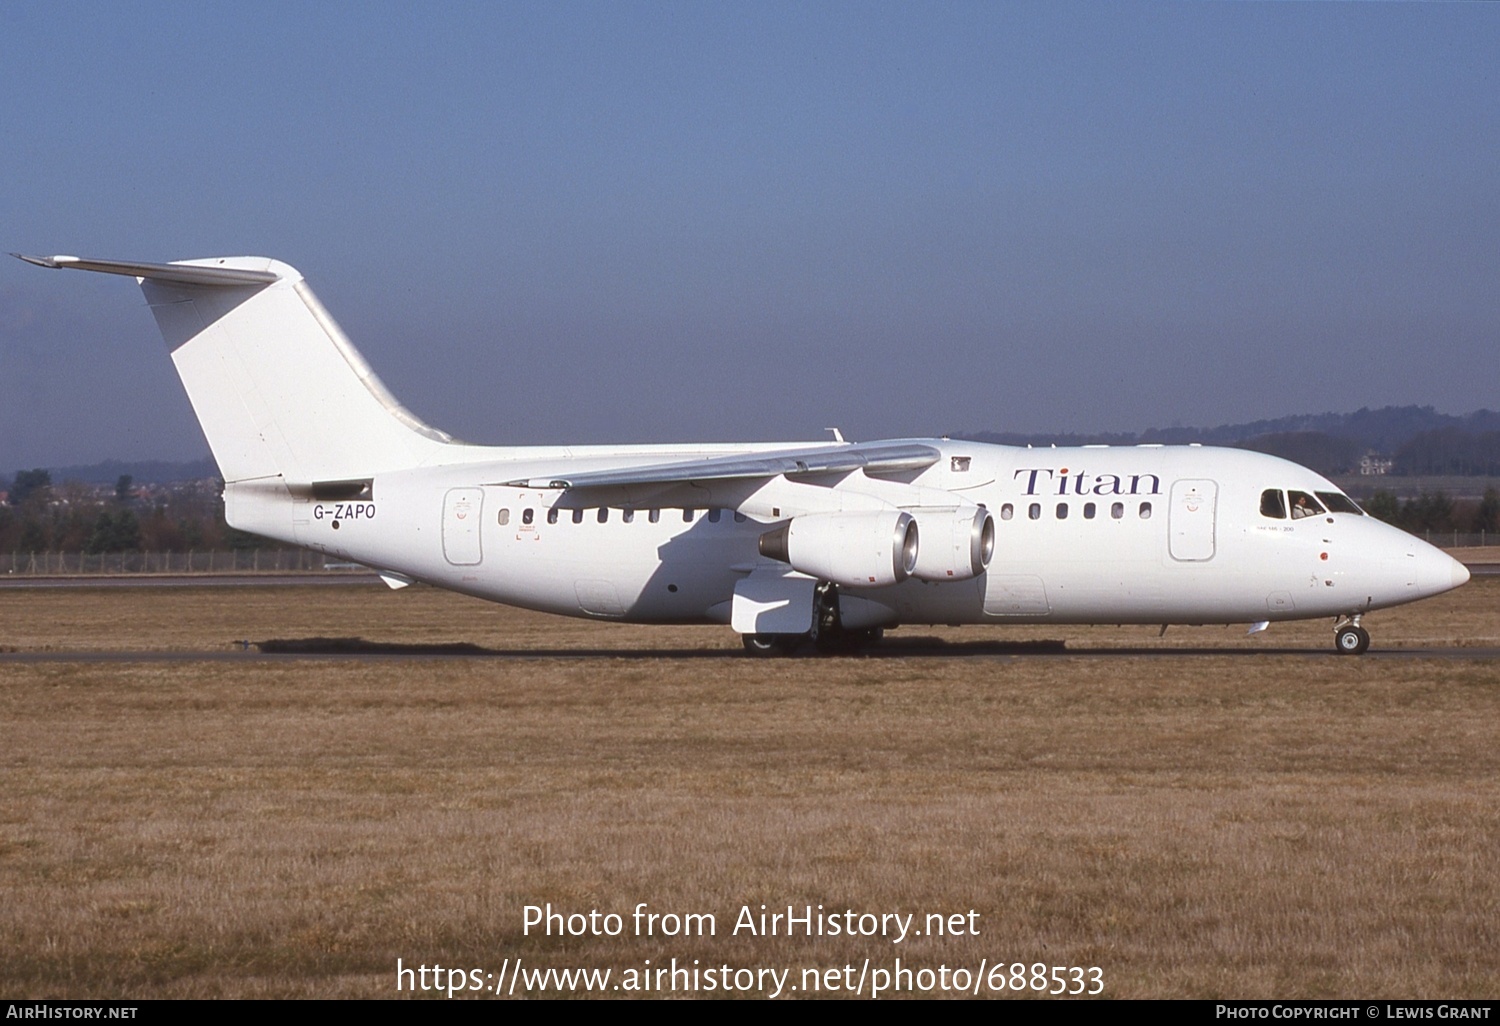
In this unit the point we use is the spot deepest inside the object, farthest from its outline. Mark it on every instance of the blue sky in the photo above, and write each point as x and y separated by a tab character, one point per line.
595	222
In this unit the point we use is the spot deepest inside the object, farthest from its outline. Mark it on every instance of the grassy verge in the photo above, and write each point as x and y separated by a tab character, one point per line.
1206	825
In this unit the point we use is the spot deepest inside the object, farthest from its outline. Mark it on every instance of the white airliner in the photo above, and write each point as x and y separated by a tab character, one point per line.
829	542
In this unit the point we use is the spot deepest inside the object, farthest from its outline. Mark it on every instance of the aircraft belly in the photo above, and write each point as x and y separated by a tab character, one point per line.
642	579
1128	592
915	601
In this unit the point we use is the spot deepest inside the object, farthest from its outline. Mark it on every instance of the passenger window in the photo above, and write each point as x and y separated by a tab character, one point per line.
527	516
1272	504
552	515
654	516
1035	511
739	518
1338	502
504	517
1062	511
603	514
1117	510
687	516
578	516
1088	510
1303	505
628	515
1145	511
713	515
1007	511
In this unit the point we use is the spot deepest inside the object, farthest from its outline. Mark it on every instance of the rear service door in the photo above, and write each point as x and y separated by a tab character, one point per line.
461	519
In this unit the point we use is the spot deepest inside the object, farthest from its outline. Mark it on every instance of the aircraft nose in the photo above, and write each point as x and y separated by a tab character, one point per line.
1437	571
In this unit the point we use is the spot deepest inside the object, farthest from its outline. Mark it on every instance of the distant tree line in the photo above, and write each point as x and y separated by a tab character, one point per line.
1449	451
1436	512
1417	439
74	517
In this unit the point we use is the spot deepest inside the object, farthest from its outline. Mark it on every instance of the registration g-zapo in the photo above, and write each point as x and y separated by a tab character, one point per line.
344	511
828	542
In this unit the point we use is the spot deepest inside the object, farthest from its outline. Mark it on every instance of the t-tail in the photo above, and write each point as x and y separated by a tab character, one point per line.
279	389
287	403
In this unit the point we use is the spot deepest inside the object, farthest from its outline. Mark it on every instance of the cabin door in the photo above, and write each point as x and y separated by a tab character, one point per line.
1190	522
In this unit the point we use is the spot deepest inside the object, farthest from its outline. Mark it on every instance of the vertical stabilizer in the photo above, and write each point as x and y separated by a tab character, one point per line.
278	388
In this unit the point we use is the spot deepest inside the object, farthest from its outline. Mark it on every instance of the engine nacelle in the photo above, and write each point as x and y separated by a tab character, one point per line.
956	544
862	550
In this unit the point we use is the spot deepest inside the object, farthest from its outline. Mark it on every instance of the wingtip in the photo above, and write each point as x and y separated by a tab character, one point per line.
40	261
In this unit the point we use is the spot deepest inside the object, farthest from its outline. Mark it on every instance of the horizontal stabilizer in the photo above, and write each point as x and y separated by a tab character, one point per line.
882	457
181	274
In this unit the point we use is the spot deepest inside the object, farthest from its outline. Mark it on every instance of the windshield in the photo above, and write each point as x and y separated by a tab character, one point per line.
1337	502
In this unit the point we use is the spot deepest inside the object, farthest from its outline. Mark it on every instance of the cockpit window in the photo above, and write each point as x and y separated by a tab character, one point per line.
1272	504
1303	505
1337	502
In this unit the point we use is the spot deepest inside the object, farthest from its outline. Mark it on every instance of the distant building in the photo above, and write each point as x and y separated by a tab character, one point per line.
1373	464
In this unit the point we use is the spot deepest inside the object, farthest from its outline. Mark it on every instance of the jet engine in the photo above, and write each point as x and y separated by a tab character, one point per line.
862	550
956	544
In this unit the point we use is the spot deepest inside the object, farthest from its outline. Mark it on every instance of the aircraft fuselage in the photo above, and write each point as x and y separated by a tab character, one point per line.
1082	535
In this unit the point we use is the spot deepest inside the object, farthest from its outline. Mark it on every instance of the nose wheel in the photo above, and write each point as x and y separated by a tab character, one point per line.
1349	638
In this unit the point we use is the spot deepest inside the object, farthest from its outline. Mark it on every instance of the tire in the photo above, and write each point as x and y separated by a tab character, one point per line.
765	646
1351	640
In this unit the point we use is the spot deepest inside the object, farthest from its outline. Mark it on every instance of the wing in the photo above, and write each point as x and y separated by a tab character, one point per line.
872	457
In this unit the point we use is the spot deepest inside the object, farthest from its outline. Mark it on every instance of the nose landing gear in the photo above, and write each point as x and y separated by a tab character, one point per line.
1349	638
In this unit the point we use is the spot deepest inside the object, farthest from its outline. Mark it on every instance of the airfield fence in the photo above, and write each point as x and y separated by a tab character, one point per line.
1460	539
219	561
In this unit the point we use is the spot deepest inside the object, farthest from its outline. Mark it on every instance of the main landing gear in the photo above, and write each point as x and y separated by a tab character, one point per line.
833	643
829	635
1349	638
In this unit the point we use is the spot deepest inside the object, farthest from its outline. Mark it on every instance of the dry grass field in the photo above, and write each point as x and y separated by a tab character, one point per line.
1210	823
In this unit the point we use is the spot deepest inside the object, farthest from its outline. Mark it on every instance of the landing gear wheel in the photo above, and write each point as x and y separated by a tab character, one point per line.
766	645
1351	640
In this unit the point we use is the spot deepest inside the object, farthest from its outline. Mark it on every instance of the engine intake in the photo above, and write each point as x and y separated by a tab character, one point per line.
957	544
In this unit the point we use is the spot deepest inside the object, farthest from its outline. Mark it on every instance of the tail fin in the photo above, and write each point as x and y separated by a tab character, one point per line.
279	389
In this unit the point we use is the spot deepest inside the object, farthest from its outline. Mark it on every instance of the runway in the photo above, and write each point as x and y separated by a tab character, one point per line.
344	617
191	580
356	650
